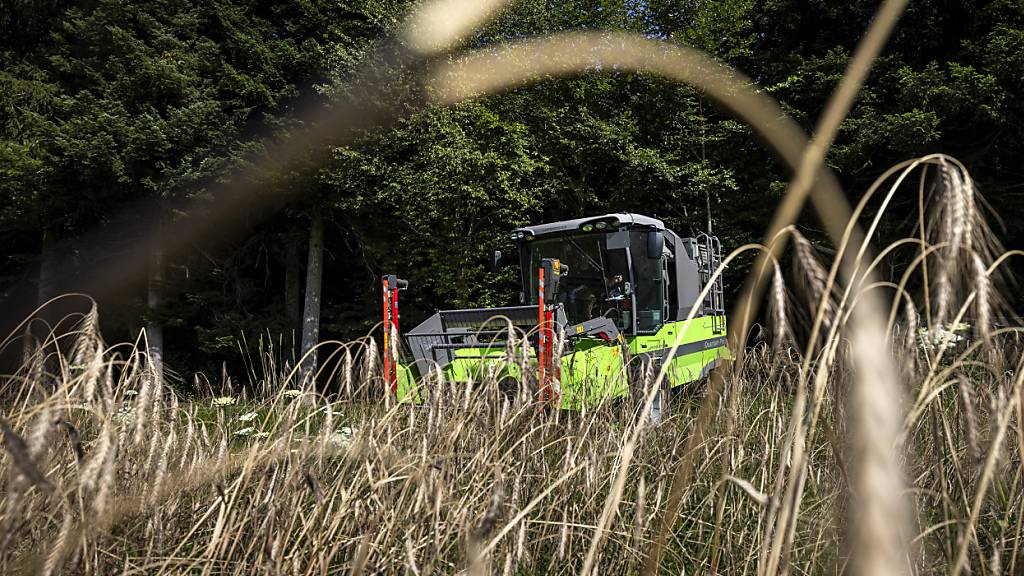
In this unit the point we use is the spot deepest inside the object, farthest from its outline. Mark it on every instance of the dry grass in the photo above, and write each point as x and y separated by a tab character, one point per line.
849	443
107	471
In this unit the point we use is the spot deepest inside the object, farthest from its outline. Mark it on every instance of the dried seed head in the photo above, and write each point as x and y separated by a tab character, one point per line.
161	467
22	457
813	277
756	495
982	298
997	406
943	290
777	310
93	467
39	433
521	541
370	361
143	401
640	512
55	557
912	323
972	431
88	336
491	514
93	370
105	484
954	209
995	562
346	372
563	536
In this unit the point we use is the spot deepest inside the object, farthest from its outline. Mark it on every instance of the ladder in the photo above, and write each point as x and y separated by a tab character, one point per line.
709	259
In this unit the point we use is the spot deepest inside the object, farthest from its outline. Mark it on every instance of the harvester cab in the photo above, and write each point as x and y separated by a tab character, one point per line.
603	300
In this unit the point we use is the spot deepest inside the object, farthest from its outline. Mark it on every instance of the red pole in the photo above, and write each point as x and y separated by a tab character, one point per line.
387	330
556	365
394	326
541	335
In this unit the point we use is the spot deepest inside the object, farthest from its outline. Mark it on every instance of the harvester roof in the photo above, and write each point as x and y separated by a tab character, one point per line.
564	226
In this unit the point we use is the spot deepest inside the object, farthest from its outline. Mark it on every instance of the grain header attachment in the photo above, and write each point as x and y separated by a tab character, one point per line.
604	301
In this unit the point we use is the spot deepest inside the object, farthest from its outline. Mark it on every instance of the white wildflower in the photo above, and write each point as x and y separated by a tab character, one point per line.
343	436
245	431
939	336
248	417
292	393
124	415
224	401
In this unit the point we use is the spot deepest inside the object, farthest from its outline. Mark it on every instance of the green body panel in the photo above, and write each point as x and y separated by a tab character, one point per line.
595	371
477	363
406	391
698	347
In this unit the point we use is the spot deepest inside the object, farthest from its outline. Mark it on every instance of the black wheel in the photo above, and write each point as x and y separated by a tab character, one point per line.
510	389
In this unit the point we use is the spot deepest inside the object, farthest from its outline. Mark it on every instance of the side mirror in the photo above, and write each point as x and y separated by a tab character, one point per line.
553	272
495	264
655	243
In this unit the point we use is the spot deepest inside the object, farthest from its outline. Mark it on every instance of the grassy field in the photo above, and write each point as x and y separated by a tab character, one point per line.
874	427
767	468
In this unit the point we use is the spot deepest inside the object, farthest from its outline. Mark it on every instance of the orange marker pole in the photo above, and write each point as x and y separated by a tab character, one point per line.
387	330
393	375
556	365
541	336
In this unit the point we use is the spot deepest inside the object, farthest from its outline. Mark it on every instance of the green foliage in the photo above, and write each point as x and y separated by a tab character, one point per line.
151	98
107	103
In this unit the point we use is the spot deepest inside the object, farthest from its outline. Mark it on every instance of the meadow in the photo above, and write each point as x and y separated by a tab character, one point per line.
762	469
871	423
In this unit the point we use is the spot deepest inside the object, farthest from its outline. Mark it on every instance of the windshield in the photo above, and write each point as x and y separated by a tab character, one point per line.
596	284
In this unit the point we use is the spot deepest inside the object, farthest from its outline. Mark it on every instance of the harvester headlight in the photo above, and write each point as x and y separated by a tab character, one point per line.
588	227
602	225
517	235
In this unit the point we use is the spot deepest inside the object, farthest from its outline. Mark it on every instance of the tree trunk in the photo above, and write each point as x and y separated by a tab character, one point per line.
291	281
154	328
47	268
45	290
311	313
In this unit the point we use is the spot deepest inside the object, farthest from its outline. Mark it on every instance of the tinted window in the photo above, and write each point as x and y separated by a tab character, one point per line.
649	284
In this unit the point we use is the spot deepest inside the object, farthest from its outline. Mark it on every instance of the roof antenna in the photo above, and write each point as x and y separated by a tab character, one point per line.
703	160
707	202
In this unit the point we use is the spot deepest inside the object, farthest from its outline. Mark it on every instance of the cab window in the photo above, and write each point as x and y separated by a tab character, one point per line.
649	285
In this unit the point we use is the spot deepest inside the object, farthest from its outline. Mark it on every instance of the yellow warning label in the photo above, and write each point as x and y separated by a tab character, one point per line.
579	329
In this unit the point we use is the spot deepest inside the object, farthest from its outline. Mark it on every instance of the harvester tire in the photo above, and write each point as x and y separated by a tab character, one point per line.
511	389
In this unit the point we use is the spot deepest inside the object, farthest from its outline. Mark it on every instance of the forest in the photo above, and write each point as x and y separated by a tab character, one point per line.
208	209
119	117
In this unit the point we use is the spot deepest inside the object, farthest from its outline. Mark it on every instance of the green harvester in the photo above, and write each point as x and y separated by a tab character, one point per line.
605	301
